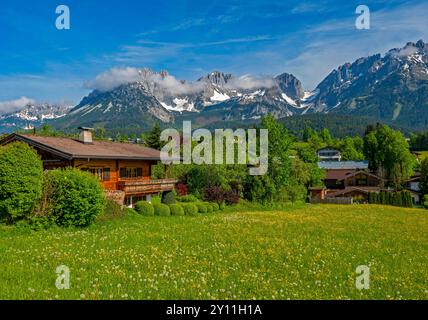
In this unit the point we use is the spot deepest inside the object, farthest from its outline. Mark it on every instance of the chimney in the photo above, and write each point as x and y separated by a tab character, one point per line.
85	135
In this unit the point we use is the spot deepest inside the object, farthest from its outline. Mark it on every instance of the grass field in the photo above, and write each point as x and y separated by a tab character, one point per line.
308	252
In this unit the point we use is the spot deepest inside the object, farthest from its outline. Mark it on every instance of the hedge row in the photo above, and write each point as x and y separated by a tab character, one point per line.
399	198
176	209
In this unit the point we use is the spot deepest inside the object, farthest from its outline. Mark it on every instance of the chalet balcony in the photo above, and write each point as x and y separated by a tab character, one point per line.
146	186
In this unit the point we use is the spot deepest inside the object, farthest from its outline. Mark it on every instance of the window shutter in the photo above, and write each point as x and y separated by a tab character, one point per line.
123	172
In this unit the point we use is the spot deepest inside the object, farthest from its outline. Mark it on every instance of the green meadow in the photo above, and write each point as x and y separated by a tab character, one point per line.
302	252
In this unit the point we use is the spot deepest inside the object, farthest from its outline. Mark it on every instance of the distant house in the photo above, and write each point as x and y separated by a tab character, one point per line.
345	179
123	169
329	154
412	184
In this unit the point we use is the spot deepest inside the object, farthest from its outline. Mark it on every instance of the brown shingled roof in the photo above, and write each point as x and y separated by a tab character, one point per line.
74	149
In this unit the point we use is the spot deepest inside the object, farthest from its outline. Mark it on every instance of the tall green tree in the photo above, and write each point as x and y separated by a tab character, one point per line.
388	153
153	138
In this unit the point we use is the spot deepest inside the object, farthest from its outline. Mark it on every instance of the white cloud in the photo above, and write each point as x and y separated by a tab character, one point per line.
114	78
248	82
118	76
14	105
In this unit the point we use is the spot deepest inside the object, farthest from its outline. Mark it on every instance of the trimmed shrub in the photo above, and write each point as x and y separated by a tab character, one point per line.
215	206
162	210
156	200
222	206
190	209
176	209
209	207
202	208
145	208
168	197
188	198
21	181
73	197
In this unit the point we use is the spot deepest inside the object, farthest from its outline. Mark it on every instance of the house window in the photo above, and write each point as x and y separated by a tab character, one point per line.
131	173
103	174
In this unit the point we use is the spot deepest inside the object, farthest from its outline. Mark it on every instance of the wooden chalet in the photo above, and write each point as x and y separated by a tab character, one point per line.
123	169
347	179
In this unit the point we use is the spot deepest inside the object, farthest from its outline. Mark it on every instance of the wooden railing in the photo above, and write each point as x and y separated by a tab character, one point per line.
146	186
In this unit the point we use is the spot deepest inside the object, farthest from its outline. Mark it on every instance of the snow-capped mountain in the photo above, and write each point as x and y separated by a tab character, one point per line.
158	96
32	115
393	87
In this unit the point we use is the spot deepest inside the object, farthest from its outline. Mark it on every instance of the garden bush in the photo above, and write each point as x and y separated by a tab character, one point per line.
72	197
145	208
156	200
21	181
162	210
202	207
215	206
168	197
188	198
222	206
209	207
214	194
190	209
176	209
231	197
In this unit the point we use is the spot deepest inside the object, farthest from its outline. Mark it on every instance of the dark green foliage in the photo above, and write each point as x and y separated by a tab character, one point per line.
145	208
162	210
153	139
168	197
190	209
73	197
400	198
423	183
176	209
202	208
21	181
419	141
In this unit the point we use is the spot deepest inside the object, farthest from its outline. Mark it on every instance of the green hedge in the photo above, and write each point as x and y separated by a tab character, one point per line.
21	181
162	210
215	206
209	207
145	208
188	198
399	198
176	209
190	209
74	197
202	207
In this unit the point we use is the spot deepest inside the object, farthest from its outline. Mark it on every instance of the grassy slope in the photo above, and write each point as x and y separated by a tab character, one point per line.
308	252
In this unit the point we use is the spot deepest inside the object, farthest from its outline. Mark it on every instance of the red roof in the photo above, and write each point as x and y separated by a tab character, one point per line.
74	149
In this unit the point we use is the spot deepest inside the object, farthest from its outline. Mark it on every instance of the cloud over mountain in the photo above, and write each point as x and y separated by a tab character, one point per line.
14	105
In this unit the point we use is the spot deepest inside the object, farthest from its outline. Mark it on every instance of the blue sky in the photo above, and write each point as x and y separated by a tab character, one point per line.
190	39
